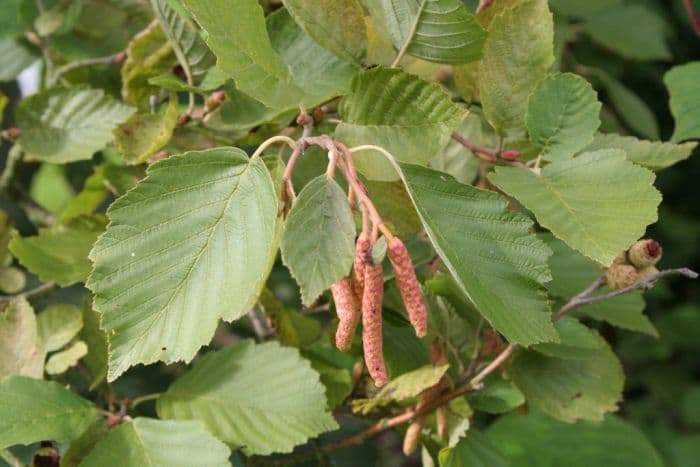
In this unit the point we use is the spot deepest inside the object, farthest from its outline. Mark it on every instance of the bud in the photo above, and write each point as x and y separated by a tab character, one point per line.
510	154
408	285
621	258
304	119
14	132
362	247
620	276
119	57
348	311
412	437
645	253
372	323
318	113
182	119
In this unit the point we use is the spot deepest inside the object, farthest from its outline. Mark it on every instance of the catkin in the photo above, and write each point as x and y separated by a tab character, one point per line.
362	247
372	323
408	285
348	311
412	436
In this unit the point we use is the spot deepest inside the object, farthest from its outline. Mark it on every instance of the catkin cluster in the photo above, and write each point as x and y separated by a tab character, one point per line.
362	297
634	265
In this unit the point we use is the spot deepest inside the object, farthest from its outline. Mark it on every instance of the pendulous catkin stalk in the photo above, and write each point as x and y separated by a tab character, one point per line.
348	311
372	323
407	283
362	247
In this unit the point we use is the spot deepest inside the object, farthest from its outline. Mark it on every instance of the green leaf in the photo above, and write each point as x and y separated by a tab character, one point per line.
148	55
497	396
411	118
60	362
570	389
518	53
192	53
279	71
339	26
445	323
575	341
472	450
224	391
504	272
93	194
58	324
21	349
33	410
50	187
318	243
143	134
632	109
182	252
562	116
598	203
96	359
536	440
62	125
60	253
334	368
291	327
394	205
579	9
146	441
573	272
83	445
15	56
681	82
243	112
11	19
406	386
654	155
644	38
441	31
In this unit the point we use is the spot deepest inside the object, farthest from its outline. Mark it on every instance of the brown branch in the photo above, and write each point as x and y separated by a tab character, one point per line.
693	16
29	293
492	156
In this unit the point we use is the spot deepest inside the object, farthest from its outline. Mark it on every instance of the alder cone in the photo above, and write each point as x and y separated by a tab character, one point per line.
408	285
645	253
348	311
362	247
372	323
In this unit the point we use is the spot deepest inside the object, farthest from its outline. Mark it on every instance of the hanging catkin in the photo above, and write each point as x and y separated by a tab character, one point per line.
372	323
348	310
407	283
362	247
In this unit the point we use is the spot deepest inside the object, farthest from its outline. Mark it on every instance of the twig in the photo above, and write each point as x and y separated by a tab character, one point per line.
115	58
578	299
692	15
491	156
45	287
13	157
141	399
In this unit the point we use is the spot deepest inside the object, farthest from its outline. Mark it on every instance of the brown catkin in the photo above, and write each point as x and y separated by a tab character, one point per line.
412	436
407	283
362	247
372	323
348	310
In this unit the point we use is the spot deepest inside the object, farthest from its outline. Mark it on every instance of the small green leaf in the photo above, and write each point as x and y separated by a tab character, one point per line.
506	266
143	134
58	324
291	327
411	118
82	446
223	391
318	243
473	450
33	410
570	389
441	31
62	125
339	26
562	116
642	38
654	155
575	341
60	362
518	53
182	252
60	253
96	359
598	203
406	386
21	349
682	82
50	187
497	396
394	205
335	369
535	440
146	441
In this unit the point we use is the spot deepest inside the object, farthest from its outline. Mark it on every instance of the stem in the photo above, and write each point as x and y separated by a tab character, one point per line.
411	34
489	155
10	458
141	399
270	141
82	63
692	15
29	293
13	157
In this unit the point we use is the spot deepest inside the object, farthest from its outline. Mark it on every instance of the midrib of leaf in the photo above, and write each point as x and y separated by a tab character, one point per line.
143	444
411	35
179	53
175	290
